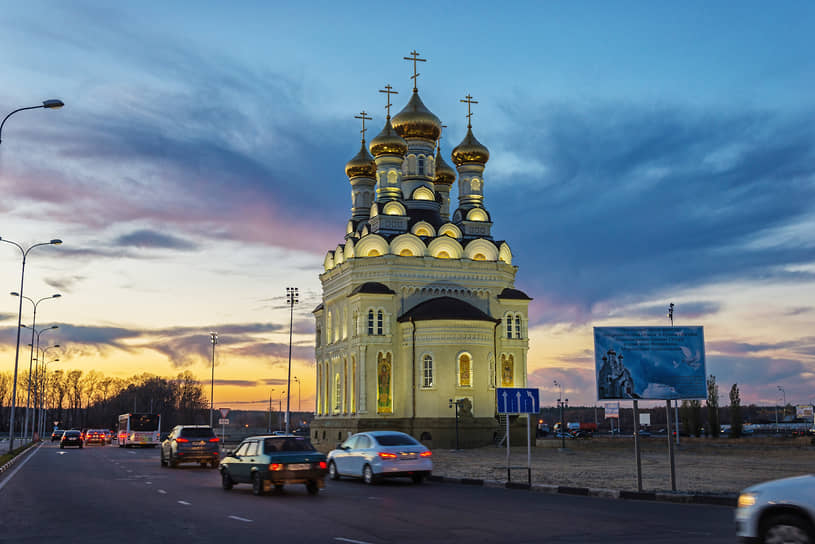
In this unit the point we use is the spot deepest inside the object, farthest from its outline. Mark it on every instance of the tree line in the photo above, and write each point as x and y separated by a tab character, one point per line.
87	399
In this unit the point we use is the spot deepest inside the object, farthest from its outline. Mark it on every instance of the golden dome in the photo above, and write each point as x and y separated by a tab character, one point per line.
388	142
470	150
416	121
445	175
361	165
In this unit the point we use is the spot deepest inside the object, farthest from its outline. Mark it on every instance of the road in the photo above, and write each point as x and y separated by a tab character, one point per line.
102	493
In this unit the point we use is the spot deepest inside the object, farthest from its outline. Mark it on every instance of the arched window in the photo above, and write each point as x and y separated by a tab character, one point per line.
328	329
464	370
509	325
518	326
370	322
427	371
507	370
380	320
421	166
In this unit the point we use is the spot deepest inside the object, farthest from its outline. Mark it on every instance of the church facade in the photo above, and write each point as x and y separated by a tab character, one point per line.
419	316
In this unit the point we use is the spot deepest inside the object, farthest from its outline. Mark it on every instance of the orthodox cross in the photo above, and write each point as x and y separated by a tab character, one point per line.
389	91
363	115
438	142
469	100
414	56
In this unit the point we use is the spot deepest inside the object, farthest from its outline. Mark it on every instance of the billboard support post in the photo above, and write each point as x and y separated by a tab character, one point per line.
637	445
670	445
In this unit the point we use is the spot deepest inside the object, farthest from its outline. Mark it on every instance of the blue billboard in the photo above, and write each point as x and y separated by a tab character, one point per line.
650	363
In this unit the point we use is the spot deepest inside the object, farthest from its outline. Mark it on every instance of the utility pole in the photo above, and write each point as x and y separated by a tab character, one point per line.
676	401
292	298
213	337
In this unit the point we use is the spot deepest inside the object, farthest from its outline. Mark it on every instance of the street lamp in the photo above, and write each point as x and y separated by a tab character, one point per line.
31	355
37	360
43	406
298	391
292	298
213	337
784	409
24	252
561	402
38	391
457	403
51	104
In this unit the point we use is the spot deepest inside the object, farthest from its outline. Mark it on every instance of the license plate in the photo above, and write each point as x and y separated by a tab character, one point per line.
201	443
299	466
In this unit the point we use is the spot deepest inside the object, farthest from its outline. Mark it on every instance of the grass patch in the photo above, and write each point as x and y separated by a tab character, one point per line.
6	457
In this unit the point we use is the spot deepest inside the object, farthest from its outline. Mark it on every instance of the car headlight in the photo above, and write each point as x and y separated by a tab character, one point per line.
746	500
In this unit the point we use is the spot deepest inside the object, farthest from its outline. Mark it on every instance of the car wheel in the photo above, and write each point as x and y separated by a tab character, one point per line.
161	457
257	484
417	478
786	529
332	471
171	461
226	480
368	475
312	488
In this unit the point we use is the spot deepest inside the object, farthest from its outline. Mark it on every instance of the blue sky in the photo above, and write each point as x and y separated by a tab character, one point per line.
641	153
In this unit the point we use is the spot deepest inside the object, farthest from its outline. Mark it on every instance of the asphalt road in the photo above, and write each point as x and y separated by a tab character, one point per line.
102	493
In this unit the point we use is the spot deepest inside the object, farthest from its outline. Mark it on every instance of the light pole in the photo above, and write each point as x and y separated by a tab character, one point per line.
41	422
784	409
676	401
24	252
561	402
213	337
292	298
40	361
280	407
457	403
31	354
47	104
37	361
298	392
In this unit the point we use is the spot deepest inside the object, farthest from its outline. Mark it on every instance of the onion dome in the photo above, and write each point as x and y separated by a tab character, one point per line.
361	165
388	142
470	150
416	121
445	175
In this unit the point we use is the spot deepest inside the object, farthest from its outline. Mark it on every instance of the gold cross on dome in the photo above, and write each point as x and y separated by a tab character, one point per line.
414	56
389	91
438	142
469	100
363	115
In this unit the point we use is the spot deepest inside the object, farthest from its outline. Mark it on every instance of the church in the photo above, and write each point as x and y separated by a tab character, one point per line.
419	320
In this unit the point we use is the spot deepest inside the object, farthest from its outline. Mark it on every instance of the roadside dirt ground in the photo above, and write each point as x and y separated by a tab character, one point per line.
722	465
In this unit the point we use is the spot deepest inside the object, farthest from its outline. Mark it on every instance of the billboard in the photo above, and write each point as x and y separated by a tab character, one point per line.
803	411
612	410
650	363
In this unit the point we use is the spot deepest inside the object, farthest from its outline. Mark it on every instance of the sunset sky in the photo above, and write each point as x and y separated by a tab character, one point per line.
641	154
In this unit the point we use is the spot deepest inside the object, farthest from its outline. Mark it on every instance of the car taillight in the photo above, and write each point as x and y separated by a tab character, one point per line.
214	439
323	465
276	466
179	439
386	455
427	453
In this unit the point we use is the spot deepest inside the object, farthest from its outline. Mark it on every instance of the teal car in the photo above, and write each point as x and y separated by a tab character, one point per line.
274	461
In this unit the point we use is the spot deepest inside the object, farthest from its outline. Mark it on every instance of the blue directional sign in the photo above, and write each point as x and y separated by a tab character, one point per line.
514	400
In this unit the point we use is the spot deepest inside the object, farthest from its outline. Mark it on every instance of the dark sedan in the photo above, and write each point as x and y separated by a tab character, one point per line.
71	438
266	461
57	435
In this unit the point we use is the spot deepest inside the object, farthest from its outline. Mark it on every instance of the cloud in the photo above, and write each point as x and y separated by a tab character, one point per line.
64	284
146	238
274	381
236	383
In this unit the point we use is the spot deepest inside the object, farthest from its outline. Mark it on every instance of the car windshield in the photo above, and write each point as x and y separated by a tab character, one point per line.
395	440
197	432
287	444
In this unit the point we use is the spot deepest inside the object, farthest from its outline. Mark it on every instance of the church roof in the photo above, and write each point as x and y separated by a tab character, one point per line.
373	287
514	293
318	308
445	308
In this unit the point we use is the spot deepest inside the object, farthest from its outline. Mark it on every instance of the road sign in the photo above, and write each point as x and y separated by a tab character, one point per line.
223	421
224	411
645	419
516	400
612	411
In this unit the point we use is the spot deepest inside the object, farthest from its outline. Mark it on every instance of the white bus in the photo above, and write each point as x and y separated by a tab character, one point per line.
139	430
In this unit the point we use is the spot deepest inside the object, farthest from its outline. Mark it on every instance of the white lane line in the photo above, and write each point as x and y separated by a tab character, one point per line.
148	483
130	452
13	472
341	539
185	503
240	519
161	491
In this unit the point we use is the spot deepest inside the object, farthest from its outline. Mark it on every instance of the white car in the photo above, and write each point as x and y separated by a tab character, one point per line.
380	454
781	511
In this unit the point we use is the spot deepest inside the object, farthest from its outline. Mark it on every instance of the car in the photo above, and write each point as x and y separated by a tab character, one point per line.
71	438
644	434
778	511
95	436
375	455
57	434
274	460
191	444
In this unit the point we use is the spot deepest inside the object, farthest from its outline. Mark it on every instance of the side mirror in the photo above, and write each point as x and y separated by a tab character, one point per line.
339	446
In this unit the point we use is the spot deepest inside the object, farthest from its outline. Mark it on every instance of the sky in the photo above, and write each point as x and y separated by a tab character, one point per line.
641	153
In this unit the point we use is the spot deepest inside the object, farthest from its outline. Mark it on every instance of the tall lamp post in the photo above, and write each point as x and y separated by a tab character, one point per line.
40	385
676	401
24	252
37	360
213	338
47	104
784	408
298	392
31	354
41	422
561	402
292	298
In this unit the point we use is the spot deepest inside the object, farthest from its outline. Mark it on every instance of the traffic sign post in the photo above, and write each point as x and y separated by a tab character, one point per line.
516	400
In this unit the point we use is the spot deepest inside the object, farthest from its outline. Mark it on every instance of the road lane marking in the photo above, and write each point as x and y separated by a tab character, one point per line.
62	452
240	519
148	483
162	491
13	472
185	503
350	540
132	452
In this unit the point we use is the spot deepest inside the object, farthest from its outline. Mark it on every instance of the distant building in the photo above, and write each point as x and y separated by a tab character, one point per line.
418	305
614	379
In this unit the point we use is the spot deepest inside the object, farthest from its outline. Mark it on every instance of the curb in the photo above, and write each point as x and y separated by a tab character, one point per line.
662	496
14	459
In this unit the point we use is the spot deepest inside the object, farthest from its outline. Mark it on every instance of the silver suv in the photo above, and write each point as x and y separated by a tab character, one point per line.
191	444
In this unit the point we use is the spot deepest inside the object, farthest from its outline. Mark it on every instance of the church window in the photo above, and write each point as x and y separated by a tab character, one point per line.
370	322
380	318
442	255
509	325
479	257
328	328
475	184
337	392
406	253
518	326
393	177
384	369
507	370
422	232
411	164
464	370
427	371
420	167
373	253
346	400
